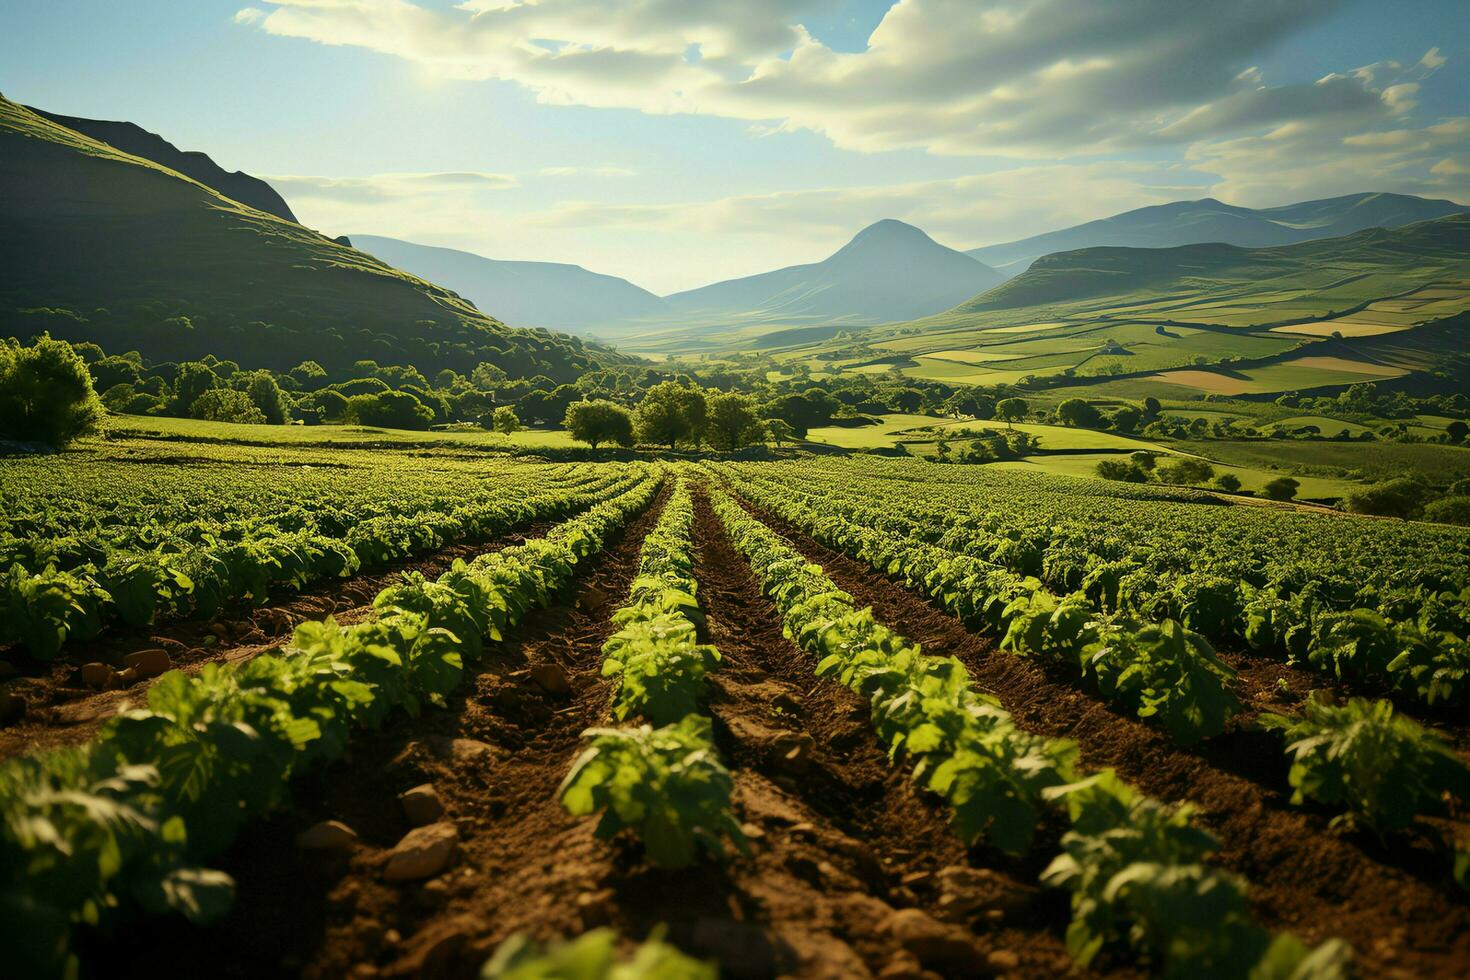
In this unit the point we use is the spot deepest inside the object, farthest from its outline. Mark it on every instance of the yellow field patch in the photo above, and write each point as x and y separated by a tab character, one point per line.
1347	326
970	356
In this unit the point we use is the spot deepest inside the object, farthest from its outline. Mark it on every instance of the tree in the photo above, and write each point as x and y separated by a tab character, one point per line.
1144	459
803	411
309	374
971	401
505	421
194	379
486	375
109	371
733	421
1281	488
780	431
331	405
1152	409
1012	410
1125	419
266	395
392	409
1457	431
1079	412
227	405
1117	469
1404	497
1228	482
1185	470
670	412
598	421
46	393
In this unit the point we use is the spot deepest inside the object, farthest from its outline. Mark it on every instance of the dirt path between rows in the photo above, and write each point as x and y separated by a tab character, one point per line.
1398	906
847	839
60	710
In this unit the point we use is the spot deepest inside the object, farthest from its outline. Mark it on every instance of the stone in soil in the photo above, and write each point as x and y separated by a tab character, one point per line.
421	805
422	853
148	663
329	835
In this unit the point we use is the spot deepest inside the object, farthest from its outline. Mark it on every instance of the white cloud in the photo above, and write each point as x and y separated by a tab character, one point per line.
950	76
381	187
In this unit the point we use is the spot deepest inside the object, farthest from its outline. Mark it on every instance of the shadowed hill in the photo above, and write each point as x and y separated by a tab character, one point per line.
1414	253
109	247
523	294
134	139
1209	220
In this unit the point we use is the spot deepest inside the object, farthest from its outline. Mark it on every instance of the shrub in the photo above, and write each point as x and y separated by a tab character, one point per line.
1117	469
227	405
1450	510
1404	497
1281	488
505	420
1079	412
392	409
1228	482
1185	471
46	393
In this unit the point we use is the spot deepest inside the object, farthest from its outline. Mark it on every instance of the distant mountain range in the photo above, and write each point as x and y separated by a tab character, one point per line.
101	245
889	271
139	142
521	294
1209	220
1194	282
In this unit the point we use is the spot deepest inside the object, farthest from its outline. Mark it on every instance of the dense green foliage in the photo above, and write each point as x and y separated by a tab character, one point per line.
46	394
127	817
1369	601
1381	769
1129	884
116	544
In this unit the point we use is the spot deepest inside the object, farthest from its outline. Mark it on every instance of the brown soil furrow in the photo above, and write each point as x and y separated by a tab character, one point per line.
60	711
860	838
1397	905
495	754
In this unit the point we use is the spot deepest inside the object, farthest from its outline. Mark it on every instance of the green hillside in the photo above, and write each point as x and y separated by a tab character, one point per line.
102	246
1194	319
1234	286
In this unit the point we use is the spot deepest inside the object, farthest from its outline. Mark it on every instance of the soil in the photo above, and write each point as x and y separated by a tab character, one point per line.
844	852
60	710
1395	902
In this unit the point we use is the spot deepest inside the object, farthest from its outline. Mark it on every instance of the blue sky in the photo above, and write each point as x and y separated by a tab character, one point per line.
679	141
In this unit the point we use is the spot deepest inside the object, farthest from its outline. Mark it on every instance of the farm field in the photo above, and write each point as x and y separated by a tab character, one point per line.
484	695
1254	479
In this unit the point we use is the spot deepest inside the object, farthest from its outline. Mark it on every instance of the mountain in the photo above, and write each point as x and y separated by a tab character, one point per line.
1205	282
139	142
522	294
1209	220
103	246
889	271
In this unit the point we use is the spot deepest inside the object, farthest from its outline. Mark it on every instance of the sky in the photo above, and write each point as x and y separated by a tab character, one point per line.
679	142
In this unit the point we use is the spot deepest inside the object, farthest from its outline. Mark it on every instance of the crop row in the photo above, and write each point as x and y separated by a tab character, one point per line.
1164	672
42	610
1135	867
1405	631
662	779
1379	769
126	818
